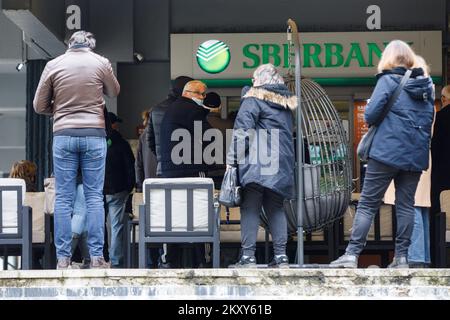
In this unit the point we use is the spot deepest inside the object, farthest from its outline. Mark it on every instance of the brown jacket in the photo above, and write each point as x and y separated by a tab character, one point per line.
72	87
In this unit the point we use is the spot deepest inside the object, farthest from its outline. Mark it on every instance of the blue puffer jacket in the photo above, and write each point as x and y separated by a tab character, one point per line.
403	138
266	109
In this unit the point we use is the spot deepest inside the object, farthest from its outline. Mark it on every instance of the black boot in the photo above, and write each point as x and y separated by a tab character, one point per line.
84	251
75	240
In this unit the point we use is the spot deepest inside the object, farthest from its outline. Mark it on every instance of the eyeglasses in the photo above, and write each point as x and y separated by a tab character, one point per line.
203	94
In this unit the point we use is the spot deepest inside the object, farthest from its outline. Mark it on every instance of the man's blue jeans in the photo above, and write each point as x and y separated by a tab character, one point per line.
377	180
70	153
116	209
419	250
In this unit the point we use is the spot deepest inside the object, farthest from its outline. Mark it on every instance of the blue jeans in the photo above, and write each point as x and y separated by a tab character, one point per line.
419	250
377	180
79	212
116	209
70	153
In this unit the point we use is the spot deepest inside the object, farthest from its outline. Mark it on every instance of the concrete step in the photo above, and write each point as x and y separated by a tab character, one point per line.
258	283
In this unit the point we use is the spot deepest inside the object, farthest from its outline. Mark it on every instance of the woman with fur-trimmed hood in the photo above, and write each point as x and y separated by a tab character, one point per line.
263	149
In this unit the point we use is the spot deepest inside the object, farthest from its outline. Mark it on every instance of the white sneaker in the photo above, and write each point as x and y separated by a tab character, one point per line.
345	261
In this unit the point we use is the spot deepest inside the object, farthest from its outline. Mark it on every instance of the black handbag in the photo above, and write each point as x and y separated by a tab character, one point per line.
230	192
366	141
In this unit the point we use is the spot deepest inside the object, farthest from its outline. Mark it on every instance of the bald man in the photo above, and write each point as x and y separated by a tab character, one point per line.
182	114
445	96
440	151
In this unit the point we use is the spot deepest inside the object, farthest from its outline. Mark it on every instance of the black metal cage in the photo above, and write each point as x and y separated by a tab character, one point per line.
326	161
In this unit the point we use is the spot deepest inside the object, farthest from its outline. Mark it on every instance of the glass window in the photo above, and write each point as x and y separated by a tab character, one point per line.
233	104
12	129
10	156
12	139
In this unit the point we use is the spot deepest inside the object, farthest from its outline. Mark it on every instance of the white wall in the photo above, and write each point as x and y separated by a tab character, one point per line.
12	119
10	37
12	96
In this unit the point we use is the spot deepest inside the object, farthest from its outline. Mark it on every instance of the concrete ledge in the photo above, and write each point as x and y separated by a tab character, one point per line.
191	284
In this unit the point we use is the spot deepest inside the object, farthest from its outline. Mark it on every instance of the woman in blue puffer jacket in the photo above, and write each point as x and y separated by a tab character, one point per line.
399	152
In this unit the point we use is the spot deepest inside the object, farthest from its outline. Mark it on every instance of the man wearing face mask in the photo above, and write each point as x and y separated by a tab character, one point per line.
188	113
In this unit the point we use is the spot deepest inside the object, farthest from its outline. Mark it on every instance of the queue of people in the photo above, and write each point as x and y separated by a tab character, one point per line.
95	169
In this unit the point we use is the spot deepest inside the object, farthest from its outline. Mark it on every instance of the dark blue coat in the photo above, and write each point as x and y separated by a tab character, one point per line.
182	114
403	138
119	167
266	109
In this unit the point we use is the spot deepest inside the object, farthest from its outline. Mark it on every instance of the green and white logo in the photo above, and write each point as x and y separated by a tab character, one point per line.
213	56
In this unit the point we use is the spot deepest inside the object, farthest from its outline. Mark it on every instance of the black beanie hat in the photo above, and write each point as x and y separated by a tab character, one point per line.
212	100
179	83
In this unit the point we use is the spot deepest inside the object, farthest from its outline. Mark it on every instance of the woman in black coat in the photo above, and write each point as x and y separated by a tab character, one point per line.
263	149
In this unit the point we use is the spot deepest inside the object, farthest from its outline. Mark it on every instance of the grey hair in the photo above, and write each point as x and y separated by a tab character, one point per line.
82	38
266	74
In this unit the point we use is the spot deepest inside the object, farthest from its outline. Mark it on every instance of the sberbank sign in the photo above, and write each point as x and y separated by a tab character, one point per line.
213	56
335	55
327	55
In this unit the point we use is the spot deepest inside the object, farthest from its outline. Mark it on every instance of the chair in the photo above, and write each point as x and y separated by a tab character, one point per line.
35	200
179	210
15	219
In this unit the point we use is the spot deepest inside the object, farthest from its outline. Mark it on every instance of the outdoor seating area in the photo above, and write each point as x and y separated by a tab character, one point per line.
320	246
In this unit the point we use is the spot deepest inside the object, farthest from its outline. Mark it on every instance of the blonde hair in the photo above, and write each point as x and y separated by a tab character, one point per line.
397	54
25	170
421	63
145	116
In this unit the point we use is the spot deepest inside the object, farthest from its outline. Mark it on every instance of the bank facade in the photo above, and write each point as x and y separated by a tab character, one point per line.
151	42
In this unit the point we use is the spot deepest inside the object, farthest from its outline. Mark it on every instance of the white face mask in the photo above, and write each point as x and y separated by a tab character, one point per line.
209	108
198	101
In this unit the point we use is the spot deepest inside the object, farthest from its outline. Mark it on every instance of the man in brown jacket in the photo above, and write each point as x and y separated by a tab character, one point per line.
71	90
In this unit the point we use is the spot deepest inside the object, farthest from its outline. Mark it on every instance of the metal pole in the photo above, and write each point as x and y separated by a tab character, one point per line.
299	143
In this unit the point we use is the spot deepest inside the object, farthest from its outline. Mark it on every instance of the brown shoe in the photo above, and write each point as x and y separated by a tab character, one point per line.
63	263
99	263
